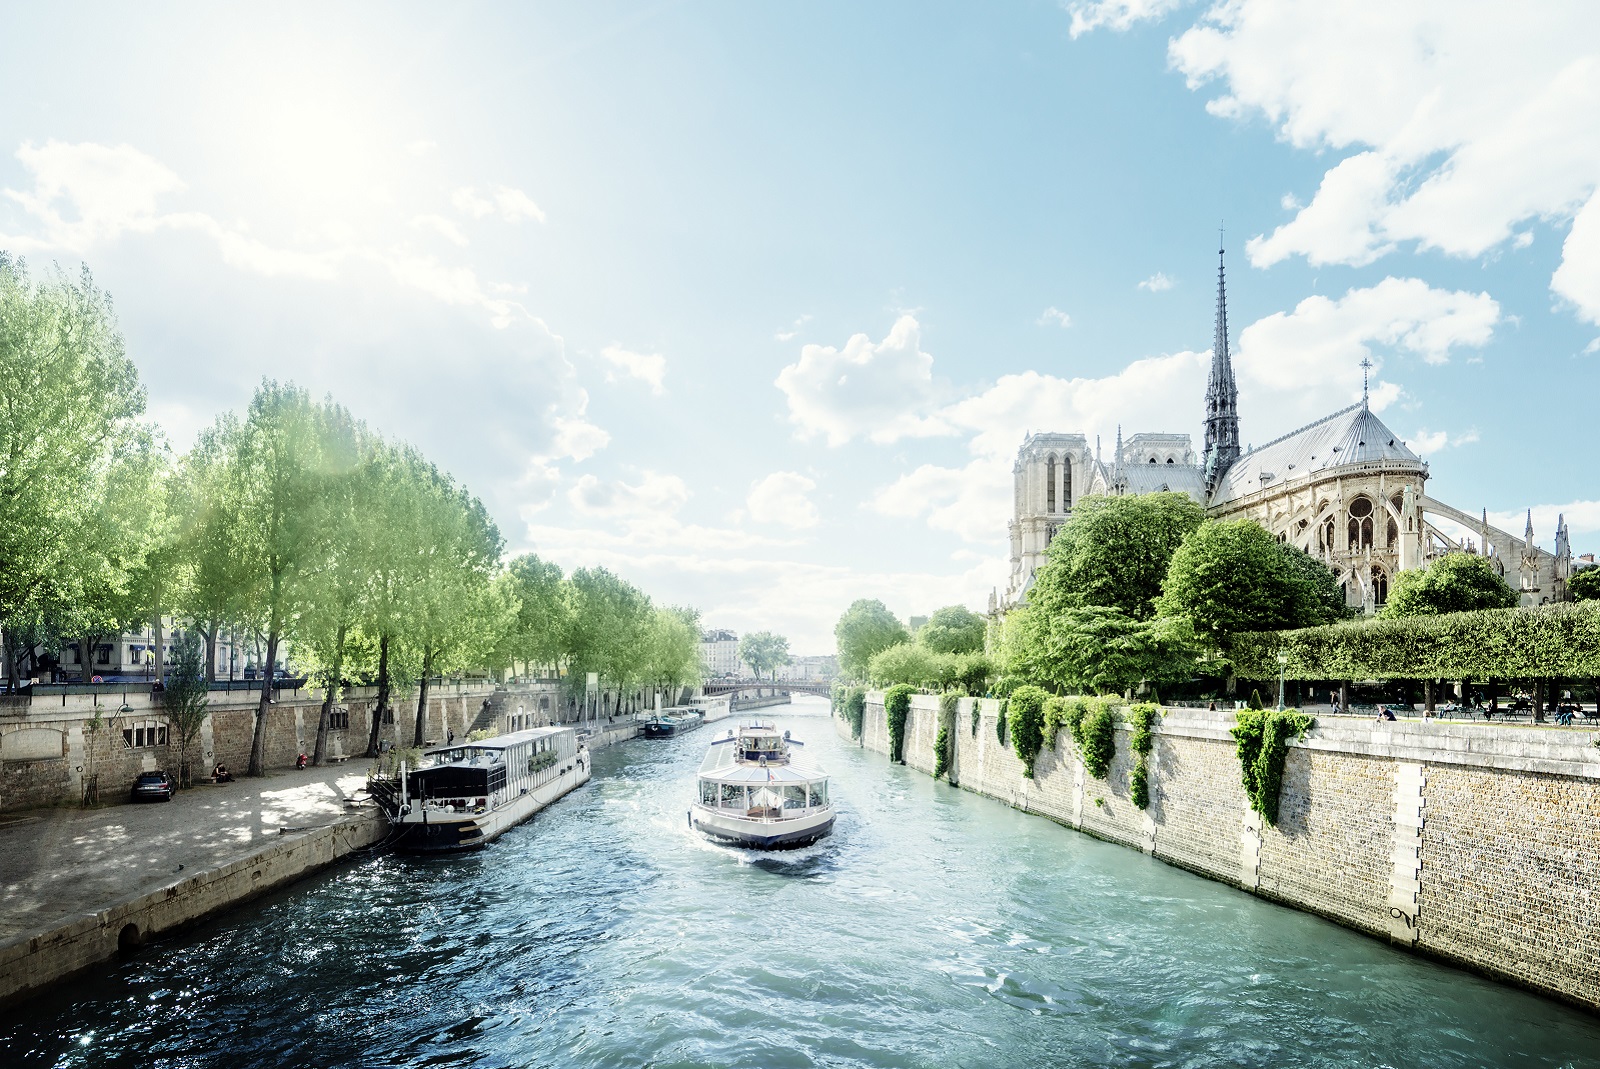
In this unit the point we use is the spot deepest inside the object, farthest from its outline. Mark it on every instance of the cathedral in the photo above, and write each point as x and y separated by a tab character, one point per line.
1345	489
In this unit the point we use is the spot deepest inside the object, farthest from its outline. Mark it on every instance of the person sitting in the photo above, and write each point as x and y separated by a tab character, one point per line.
221	774
1384	713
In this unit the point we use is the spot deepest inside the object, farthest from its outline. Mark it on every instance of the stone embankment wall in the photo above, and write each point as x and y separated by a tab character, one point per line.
52	744
1473	843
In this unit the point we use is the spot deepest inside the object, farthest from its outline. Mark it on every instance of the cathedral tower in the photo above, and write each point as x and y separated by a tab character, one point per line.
1222	397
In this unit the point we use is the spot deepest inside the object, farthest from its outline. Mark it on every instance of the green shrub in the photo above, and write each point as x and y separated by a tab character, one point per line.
1000	720
897	706
948	703
1026	716
855	710
1141	741
977	715
1261	740
1255	700
1097	737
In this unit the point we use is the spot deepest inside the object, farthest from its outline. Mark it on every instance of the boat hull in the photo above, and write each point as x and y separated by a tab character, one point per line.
451	833
761	834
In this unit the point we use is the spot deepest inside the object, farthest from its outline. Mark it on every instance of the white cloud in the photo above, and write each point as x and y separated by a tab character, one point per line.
515	205
654	495
104	189
1090	15
793	330
1583	517
421	147
647	367
1054	315
1426	443
783	498
441	226
1156	283
1453	123
878	390
577	439
512	205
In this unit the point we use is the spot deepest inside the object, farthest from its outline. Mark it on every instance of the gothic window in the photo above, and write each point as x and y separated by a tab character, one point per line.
1169	460
1152	460
1380	586
1394	533
1360	524
1050	484
1066	485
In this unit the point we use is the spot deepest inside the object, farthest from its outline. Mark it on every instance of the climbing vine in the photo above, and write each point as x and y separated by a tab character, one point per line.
1262	737
897	706
854	710
947	722
1026	716
1000	720
977	715
1141	742
1096	735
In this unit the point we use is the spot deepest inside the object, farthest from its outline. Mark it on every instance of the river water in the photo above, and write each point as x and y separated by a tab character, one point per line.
934	928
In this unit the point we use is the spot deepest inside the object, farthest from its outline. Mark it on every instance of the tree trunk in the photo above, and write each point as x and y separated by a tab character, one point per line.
383	696
160	659
258	743
211	651
1427	697
1344	696
319	753
422	698
1538	701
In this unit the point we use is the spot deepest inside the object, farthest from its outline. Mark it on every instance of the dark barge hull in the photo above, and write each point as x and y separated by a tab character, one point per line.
782	841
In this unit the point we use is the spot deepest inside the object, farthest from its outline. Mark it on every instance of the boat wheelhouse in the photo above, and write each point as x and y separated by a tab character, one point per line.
751	791
468	793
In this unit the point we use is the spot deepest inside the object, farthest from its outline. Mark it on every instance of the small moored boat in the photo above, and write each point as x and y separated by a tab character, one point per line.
667	725
468	793
753	792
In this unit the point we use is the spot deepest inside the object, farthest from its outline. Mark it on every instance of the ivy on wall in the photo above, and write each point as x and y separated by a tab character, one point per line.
1000	720
854	710
1141	741
1552	641
947	723
897	706
1026	715
1096	735
1262	743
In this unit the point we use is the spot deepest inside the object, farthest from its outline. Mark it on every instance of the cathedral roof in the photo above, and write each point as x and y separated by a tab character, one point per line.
1155	478
1353	435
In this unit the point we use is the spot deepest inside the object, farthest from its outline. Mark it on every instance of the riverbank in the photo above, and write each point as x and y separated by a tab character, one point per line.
78	886
1475	844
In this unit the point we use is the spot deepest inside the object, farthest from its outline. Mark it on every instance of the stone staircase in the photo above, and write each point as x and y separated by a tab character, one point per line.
488	718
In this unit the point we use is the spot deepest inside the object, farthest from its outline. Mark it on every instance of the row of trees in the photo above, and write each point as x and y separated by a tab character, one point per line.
295	523
946	651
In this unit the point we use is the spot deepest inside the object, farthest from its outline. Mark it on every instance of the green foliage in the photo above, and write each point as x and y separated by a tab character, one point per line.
866	628
1262	743
537	635
1026	714
764	651
186	699
855	710
953	629
896	707
1232	576
1554	641
909	663
1141	741
1113	553
1102	649
1255	700
1456	582
948	703
1000	720
972	671
977	715
1585	586
1096	735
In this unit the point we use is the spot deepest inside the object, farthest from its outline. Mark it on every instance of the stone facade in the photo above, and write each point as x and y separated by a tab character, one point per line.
1472	843
52	745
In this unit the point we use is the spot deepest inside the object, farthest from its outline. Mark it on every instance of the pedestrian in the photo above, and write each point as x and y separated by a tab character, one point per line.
450	736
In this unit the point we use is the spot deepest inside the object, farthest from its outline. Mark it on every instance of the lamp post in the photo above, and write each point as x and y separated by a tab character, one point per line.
1283	666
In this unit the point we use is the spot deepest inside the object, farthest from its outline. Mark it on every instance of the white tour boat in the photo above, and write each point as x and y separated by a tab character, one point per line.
752	792
468	793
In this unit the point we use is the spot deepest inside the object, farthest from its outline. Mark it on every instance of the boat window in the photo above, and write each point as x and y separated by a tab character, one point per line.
794	796
819	793
708	792
733	795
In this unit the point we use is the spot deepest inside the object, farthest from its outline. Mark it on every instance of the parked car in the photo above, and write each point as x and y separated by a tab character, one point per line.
153	786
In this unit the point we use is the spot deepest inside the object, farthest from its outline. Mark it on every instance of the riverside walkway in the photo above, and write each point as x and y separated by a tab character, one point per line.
67	875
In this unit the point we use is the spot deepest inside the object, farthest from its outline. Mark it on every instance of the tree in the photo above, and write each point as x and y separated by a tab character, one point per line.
1104	650
609	620
1231	575
910	663
72	400
537	633
864	629
1585	586
674	648
954	629
1115	551
1456	582
764	651
215	581
1319	597
275	490
186	699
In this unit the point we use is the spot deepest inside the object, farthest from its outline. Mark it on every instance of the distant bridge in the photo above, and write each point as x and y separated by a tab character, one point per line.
819	687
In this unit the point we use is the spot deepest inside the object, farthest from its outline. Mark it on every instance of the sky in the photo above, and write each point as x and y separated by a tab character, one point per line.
753	303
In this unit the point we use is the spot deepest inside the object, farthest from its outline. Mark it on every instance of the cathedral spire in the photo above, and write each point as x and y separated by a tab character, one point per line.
1222	395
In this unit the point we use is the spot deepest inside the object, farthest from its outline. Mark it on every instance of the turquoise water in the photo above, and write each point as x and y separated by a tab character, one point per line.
934	928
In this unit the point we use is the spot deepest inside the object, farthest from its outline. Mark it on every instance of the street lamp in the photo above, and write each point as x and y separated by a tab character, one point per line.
1283	666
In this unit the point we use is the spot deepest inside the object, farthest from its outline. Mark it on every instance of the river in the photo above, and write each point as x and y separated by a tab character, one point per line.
934	928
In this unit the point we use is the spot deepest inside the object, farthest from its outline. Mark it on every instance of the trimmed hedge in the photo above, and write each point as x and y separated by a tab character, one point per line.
897	706
1550	642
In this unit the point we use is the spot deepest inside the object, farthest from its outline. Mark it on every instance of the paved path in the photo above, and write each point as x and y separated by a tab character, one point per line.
59	863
